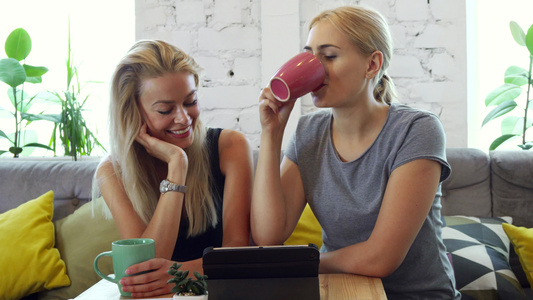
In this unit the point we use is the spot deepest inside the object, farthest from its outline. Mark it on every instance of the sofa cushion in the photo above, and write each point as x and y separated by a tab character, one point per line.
512	185
522	241
467	189
80	237
29	261
480	254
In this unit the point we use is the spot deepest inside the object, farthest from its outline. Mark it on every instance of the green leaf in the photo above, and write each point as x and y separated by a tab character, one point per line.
37	145
499	110
503	93
518	34
11	72
4	113
497	142
48	99
18	44
529	40
2	134
44	99
195	290
56	118
183	282
3	151
516	75
34	79
33	71
197	275
33	74
21	96
513	125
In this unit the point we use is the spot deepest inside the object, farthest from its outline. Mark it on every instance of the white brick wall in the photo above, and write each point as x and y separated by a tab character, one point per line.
409	10
227	39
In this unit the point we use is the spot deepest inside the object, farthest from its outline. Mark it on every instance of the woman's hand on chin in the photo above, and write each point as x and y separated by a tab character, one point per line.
160	149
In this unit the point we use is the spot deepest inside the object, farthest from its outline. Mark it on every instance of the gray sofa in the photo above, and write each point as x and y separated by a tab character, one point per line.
481	185
492	185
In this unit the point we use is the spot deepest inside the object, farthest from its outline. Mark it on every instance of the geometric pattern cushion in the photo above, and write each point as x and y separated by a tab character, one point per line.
479	250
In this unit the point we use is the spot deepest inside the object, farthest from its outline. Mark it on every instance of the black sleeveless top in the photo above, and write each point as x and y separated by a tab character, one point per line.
189	248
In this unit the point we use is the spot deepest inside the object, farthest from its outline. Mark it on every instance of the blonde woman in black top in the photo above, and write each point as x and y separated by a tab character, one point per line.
158	143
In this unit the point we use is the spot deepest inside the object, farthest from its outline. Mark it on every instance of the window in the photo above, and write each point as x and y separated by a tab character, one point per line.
101	33
495	50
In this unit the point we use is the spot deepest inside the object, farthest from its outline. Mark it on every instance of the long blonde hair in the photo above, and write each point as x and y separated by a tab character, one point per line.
131	163
369	31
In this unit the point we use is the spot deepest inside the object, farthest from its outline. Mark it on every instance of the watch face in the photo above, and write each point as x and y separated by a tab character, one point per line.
163	187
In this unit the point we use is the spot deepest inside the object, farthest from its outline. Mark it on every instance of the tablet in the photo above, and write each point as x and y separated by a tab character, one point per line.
286	261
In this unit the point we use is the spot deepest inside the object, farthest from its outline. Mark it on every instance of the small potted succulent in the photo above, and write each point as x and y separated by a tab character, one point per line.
187	288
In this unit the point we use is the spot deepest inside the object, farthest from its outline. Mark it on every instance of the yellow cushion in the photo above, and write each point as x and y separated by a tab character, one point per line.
80	237
28	259
522	240
307	230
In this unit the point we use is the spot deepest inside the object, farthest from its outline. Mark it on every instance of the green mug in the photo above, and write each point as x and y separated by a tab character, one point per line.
126	253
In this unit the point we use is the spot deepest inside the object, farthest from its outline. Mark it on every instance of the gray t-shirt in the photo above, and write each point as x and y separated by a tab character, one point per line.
346	196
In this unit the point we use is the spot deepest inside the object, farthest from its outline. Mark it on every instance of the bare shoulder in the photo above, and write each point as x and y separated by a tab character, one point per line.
234	151
232	140
105	169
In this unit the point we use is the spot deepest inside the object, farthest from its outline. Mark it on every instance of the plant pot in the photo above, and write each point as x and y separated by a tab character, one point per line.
200	297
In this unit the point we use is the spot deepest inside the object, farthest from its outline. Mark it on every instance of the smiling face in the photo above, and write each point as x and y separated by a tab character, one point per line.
347	70
169	106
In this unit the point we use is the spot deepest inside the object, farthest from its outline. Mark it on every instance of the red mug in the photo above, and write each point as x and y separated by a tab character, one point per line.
300	75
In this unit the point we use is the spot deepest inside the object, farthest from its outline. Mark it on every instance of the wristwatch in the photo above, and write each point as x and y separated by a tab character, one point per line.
167	186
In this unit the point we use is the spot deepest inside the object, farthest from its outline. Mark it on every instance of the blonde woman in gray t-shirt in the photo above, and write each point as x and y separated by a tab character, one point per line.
370	169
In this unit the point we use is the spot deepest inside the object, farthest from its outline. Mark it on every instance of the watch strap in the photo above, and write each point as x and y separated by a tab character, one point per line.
167	186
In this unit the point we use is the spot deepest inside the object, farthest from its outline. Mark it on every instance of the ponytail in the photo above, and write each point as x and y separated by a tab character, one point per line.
384	91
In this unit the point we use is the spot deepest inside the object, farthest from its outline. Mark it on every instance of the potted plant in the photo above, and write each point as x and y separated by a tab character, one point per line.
503	97
185	287
15	73
70	128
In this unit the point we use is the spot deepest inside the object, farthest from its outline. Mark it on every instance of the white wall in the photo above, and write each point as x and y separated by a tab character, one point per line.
240	44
